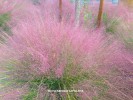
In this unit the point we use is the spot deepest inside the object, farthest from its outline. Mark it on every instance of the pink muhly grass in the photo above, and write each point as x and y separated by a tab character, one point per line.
10	6
41	46
7	6
52	43
44	47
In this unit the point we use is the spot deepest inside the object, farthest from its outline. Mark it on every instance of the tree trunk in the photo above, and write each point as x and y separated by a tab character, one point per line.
77	11
128	2
99	18
60	10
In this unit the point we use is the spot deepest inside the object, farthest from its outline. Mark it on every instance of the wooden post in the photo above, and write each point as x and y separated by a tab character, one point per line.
60	10
129	2
99	18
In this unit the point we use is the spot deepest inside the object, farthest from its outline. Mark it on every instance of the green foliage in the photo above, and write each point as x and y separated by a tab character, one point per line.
4	19
72	96
31	95
88	16
52	83
110	23
59	83
66	82
5	78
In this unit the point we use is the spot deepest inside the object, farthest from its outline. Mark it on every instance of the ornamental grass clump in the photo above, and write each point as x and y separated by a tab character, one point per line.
44	55
48	55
